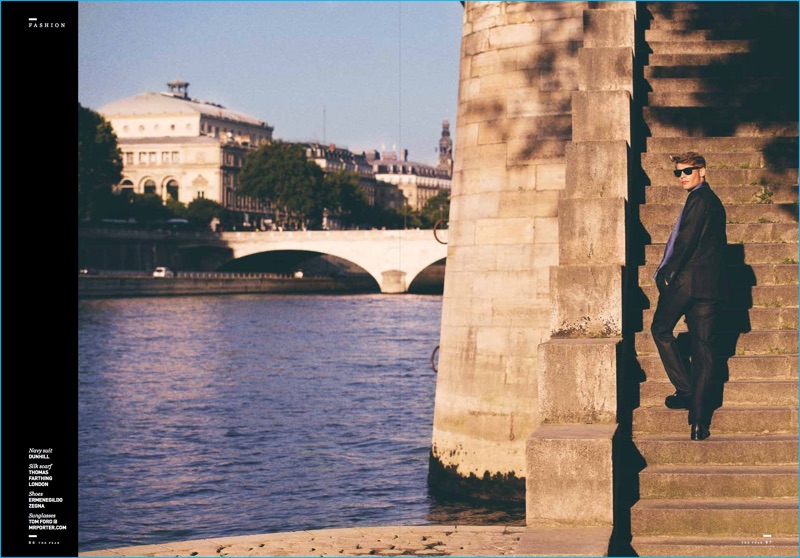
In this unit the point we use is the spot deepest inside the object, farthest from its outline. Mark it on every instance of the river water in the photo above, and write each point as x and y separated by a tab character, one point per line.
232	415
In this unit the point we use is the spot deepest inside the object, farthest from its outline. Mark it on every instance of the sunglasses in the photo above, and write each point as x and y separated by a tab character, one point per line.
687	171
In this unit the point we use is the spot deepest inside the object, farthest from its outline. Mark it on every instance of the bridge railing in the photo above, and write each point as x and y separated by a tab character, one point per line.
209	274
243	275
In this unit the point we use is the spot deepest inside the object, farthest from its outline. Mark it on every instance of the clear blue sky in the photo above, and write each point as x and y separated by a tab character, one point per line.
385	72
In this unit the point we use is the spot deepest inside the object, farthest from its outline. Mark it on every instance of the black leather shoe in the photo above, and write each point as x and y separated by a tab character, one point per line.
699	431
676	401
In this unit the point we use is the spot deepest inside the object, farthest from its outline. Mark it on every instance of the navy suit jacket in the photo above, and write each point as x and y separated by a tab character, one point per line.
699	251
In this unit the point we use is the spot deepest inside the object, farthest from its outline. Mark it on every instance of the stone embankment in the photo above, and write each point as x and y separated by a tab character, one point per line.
428	540
133	286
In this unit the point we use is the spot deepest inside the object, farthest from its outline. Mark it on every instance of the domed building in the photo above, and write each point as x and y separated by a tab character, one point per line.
183	148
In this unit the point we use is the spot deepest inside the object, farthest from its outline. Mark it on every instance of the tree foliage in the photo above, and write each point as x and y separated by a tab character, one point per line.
99	165
347	199
280	172
437	207
201	211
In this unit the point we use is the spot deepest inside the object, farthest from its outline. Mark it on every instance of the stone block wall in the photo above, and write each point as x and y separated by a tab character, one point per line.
519	70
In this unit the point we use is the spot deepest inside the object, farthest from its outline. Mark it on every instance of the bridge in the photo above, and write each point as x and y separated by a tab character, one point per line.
393	258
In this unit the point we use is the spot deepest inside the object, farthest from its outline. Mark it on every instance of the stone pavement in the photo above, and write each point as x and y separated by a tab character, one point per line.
427	540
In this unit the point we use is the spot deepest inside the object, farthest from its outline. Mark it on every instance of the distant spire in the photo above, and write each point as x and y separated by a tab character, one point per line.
446	149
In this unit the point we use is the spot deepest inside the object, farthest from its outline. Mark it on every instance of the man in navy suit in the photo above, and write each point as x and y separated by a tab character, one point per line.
691	281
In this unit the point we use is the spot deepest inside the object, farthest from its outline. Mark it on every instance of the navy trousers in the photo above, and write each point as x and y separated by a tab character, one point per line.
675	301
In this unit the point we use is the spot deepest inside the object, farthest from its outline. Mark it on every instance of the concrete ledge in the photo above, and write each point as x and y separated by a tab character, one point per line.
578	380
564	541
597	169
586	301
605	69
591	231
601	115
569	475
610	27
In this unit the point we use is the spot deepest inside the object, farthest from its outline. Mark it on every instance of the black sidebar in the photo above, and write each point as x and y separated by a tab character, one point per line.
38	279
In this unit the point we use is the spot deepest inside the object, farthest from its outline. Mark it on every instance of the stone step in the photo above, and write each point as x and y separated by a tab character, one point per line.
652	214
736	320
763	342
699	121
775	159
737	233
729	60
780	184
740	367
682	66
719	85
726	420
743	296
719	449
731	481
686	11
714	546
735	393
757	274
750	253
675	145
746	517
667	35
699	99
696	46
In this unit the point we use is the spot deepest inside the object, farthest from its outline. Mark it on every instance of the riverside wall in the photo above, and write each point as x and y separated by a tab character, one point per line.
110	287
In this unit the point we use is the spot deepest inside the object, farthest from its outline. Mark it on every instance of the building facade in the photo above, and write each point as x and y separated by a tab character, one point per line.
419	182
332	159
183	148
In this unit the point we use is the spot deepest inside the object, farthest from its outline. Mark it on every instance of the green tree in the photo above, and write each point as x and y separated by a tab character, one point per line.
346	199
406	218
175	208
437	207
280	172
146	208
99	165
201	211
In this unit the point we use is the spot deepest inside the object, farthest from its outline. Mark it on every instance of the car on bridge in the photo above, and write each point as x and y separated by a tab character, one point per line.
163	272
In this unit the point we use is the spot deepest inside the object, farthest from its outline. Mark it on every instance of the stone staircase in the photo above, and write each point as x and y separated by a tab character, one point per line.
710	91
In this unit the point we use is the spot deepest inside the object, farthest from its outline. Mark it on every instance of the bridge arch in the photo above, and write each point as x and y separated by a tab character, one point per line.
289	261
392	258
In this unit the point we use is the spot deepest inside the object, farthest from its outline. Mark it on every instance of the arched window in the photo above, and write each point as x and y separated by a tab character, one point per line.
172	189
126	187
149	187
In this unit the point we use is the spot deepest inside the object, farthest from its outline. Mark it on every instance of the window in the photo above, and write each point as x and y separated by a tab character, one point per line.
176	157
201	194
172	189
142	158
149	187
153	159
165	156
129	158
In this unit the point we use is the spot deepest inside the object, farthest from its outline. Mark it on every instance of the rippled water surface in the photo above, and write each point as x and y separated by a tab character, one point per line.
232	415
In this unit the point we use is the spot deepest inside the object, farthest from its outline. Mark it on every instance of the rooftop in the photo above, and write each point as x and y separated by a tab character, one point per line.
151	104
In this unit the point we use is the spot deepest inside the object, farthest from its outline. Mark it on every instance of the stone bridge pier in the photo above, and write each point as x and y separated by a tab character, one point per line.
392	258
